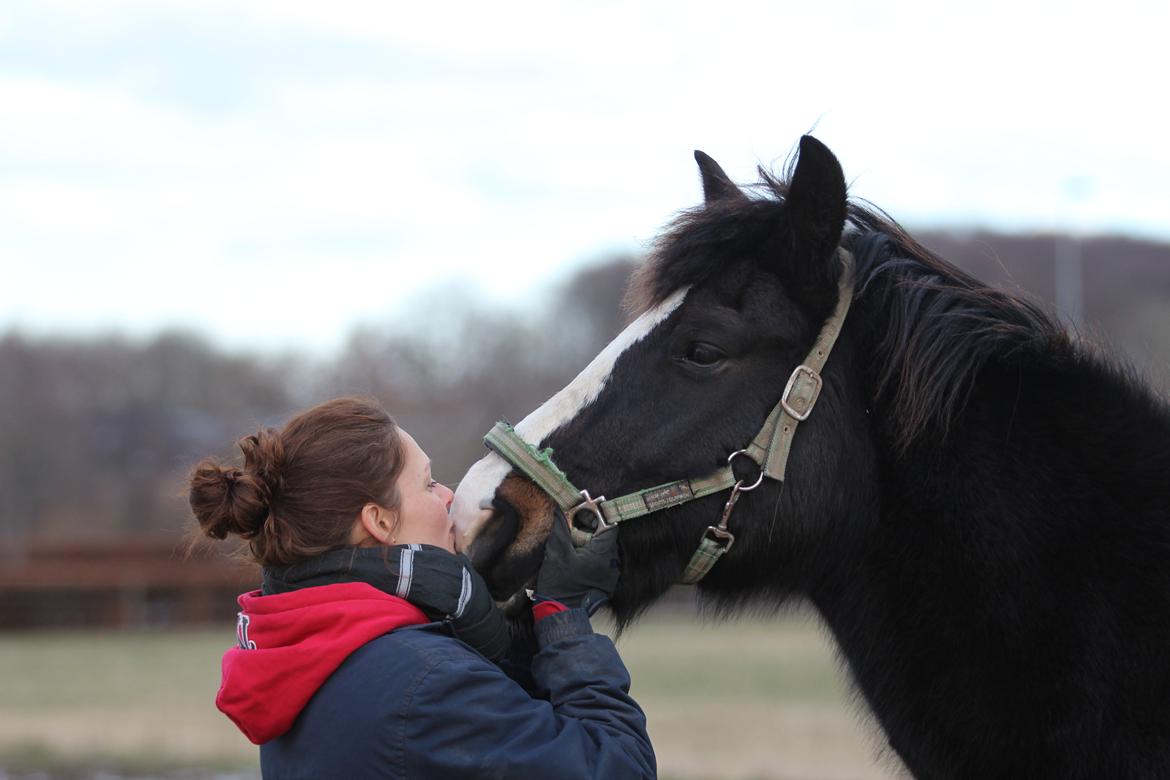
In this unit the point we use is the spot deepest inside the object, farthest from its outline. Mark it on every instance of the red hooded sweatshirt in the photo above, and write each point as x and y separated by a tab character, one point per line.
289	644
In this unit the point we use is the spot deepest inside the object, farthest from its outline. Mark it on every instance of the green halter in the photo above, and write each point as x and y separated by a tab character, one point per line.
769	450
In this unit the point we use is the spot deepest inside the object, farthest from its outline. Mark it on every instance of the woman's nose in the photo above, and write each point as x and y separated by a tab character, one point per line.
449	497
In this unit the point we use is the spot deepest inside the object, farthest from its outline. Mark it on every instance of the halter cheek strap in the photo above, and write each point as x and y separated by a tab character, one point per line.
769	450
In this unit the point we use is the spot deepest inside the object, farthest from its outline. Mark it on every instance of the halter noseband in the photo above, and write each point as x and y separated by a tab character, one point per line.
769	450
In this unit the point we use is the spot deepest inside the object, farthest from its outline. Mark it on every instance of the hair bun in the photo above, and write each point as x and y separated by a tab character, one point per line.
264	460
234	501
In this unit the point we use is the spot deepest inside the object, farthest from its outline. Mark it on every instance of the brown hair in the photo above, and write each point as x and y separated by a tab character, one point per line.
302	488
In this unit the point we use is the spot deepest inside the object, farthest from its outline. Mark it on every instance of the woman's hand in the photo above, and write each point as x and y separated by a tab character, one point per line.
579	576
446	587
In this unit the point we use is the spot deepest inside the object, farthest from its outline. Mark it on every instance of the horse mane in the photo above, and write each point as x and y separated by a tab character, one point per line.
942	327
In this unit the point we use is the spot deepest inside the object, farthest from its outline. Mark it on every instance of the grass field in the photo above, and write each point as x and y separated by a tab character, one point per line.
748	699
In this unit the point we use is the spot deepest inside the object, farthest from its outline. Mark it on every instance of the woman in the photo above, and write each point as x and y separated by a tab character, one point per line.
372	648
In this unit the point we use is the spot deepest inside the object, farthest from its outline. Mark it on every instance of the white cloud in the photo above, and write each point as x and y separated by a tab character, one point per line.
251	147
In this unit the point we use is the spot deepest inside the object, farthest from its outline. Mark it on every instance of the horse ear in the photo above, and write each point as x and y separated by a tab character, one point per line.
814	216
716	184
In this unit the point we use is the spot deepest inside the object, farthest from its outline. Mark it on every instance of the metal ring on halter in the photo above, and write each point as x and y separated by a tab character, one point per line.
739	483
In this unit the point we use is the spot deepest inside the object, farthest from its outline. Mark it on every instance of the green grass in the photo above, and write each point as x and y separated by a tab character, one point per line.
136	700
48	671
751	699
782	659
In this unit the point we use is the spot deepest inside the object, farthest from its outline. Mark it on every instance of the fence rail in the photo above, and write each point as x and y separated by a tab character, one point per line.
119	583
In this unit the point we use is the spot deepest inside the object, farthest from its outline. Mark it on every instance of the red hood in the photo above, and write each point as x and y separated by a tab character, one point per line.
289	644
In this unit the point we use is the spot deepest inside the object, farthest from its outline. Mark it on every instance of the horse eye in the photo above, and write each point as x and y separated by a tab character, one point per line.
703	354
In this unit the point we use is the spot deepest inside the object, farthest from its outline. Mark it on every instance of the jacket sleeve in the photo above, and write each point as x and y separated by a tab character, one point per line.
466	718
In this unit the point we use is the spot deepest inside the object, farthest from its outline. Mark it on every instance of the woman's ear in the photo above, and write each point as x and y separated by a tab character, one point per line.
379	523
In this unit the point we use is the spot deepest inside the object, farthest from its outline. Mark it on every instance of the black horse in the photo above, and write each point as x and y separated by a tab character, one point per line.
978	506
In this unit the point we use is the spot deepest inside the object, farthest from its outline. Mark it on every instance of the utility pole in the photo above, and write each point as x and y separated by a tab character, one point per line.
1070	279
1068	254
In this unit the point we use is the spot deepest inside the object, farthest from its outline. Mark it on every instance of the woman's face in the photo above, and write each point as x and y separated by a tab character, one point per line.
423	502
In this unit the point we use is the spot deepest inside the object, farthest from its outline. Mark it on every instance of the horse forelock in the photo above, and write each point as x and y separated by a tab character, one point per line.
689	250
699	244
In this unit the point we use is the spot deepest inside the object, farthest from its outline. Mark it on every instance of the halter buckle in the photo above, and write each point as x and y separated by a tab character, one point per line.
805	384
593	505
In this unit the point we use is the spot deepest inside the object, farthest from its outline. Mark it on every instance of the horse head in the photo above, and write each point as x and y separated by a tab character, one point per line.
729	304
999	593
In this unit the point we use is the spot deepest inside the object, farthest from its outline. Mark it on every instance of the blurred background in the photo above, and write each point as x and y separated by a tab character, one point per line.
214	214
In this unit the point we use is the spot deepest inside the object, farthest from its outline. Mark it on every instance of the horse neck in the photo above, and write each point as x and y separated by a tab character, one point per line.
1003	556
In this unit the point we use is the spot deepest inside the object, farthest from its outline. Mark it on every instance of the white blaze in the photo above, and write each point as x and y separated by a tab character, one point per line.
470	508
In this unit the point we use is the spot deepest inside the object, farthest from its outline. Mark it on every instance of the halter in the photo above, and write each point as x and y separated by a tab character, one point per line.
769	451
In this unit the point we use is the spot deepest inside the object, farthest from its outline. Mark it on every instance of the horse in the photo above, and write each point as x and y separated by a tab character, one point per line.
977	505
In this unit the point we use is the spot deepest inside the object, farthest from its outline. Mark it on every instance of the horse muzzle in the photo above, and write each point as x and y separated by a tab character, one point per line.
504	535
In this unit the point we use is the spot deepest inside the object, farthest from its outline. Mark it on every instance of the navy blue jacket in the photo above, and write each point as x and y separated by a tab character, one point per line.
419	703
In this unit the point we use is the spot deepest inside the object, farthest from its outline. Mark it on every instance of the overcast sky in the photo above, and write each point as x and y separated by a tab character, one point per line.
271	173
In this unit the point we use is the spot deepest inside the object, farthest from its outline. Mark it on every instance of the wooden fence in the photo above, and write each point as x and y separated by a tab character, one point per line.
128	582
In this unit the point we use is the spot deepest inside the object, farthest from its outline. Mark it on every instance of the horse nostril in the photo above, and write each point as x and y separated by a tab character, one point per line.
494	537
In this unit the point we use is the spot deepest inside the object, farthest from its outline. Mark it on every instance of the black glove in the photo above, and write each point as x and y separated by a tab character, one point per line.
578	576
447	587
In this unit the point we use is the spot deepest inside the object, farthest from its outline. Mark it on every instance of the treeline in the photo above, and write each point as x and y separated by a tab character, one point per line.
97	435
